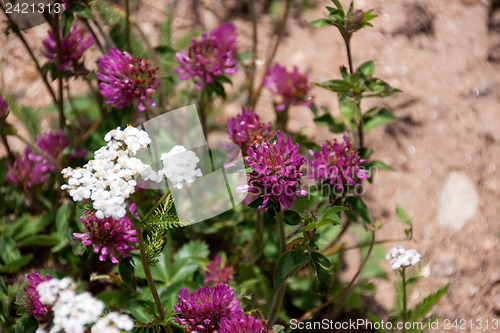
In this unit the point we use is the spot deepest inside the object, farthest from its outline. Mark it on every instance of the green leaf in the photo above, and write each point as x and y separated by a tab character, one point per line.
403	217
291	217
336	85
367	68
33	225
421	309
83	11
126	271
14	265
380	165
40	240
350	110
321	268
335	124
324	22
67	22
26	324
383	116
29	117
288	264
360	208
337	3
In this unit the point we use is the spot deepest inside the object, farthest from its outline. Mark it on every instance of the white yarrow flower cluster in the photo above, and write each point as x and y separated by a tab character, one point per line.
110	178
49	290
179	166
72	311
113	322
400	257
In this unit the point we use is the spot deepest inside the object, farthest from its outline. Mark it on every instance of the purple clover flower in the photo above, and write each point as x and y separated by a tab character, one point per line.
31	168
72	47
125	78
246	129
109	236
276	171
337	162
293	87
213	56
246	324
203	310
217	273
31	300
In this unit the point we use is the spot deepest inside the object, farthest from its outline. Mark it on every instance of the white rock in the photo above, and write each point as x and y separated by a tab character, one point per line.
459	201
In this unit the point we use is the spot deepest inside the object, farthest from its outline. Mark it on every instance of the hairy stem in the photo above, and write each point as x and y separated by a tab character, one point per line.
253	15
147	272
280	293
270	59
60	78
405	306
127	23
349	56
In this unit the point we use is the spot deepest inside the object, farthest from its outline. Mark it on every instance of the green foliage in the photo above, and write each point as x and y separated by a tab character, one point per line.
28	116
288	264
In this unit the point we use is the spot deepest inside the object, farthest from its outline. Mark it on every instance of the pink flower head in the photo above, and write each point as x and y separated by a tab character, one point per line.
109	236
32	168
246	129
212	56
276	171
72	47
217	273
125	78
203	310
3	108
293	87
337	162
246	324
31	300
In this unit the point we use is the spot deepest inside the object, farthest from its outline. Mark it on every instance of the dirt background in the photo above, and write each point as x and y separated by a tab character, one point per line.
443	57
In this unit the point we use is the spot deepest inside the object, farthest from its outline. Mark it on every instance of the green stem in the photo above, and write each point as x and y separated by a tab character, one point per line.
147	272
202	100
280	293
405	306
60	101
127	23
281	119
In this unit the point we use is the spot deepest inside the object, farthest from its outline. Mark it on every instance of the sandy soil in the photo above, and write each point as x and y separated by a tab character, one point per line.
441	56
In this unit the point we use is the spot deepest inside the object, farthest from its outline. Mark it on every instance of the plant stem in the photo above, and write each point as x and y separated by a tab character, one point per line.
201	110
403	276
349	56
12	158
253	16
16	30
60	78
127	23
281	119
280	293
92	32
147	272
270	59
